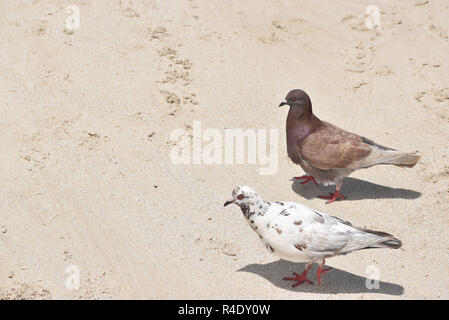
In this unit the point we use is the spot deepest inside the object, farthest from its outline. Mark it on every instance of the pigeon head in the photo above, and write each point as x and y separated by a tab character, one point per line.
298	101
243	196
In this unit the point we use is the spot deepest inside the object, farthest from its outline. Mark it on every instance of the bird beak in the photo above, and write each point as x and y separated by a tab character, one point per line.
229	202
283	103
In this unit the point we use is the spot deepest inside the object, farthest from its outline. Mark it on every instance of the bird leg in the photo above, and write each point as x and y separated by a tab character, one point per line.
321	271
300	278
333	196
307	179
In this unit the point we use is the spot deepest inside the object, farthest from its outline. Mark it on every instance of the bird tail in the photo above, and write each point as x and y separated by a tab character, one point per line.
389	242
404	160
397	158
384	155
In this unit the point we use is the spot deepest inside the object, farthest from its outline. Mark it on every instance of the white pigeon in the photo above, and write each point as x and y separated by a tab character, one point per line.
297	233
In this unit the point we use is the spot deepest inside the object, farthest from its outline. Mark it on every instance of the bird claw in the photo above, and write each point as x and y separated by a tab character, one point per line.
320	272
299	278
333	196
307	179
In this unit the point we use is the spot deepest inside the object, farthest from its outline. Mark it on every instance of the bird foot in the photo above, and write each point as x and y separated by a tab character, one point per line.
307	179
299	278
320	272
333	196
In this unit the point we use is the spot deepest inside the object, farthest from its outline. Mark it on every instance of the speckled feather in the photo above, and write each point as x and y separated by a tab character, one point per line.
298	233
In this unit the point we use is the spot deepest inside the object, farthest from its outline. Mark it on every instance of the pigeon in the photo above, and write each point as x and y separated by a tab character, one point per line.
327	153
297	233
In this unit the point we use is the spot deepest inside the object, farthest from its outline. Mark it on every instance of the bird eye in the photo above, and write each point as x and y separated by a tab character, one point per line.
240	197
293	99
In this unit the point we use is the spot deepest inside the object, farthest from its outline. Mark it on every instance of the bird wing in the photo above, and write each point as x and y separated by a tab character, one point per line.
322	235
335	236
330	147
308	230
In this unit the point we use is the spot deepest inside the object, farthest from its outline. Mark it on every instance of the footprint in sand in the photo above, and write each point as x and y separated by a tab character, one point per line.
24	291
226	248
177	73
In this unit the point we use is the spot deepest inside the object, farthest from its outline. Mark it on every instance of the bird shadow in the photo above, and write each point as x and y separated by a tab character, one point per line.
333	282
355	189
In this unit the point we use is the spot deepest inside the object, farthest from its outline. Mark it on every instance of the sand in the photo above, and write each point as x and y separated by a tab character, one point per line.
87	178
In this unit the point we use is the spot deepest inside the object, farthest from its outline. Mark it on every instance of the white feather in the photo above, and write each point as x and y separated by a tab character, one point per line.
298	233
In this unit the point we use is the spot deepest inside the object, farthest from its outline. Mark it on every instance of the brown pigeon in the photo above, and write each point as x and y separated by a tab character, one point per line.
327	153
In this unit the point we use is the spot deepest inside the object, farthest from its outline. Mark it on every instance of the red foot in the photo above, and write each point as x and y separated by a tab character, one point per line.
333	196
307	179
321	271
300	278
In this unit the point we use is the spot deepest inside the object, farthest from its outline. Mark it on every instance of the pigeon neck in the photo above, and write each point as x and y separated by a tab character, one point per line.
256	207
300	126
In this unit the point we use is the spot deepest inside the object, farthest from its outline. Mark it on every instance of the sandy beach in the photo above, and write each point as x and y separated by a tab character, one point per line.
89	186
